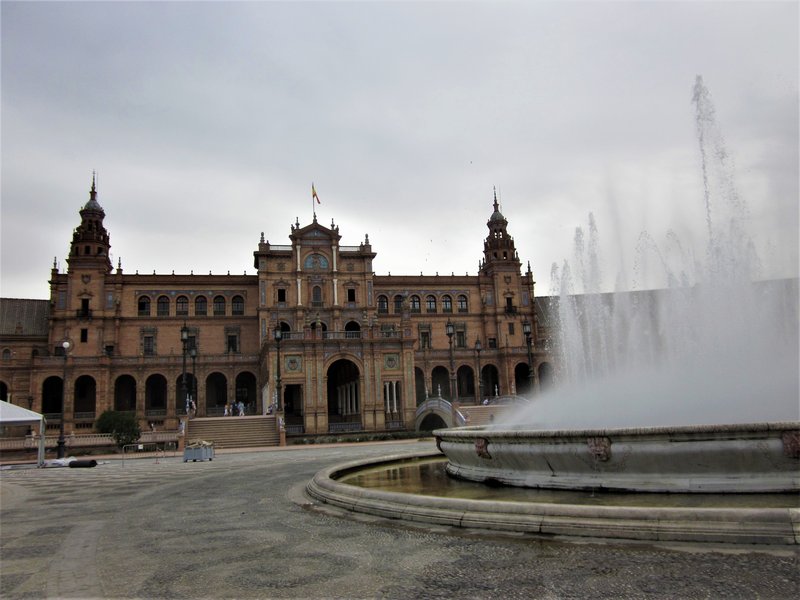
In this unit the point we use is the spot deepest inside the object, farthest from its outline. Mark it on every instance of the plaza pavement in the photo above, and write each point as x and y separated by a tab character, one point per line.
240	526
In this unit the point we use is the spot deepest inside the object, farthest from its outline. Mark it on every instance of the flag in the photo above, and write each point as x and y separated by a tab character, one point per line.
314	194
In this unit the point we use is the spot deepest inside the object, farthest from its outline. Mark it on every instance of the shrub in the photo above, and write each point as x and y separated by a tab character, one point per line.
122	426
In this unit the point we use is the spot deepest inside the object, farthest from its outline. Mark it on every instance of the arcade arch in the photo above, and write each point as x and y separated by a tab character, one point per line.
344	394
125	393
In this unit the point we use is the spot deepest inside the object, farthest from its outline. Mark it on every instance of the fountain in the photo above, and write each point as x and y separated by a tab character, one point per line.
691	389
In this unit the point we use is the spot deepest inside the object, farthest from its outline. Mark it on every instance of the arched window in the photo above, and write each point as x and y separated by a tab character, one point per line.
219	306
430	304
316	296
237	305
162	306
414	304
462	304
398	303
182	306
143	306
447	304
6	355
383	304
200	306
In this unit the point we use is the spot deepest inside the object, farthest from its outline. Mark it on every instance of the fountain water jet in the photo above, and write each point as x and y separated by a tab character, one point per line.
702	375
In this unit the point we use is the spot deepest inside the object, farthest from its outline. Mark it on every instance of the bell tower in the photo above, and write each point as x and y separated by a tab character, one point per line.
499	253
90	241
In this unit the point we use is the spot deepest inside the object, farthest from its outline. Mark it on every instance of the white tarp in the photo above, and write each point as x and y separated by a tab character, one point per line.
11	414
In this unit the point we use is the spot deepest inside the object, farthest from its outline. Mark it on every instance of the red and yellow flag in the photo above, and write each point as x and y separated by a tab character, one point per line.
314	194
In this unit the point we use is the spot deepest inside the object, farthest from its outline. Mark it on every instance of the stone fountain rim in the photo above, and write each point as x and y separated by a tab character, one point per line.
496	431
779	526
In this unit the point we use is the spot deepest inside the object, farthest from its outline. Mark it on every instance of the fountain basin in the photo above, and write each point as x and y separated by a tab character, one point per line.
738	523
742	458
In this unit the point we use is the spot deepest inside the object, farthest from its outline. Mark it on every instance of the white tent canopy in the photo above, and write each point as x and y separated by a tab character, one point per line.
11	414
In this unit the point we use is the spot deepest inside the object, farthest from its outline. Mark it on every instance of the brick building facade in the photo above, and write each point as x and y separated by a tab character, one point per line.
358	351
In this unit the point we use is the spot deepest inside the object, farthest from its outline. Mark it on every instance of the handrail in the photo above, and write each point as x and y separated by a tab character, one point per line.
433	404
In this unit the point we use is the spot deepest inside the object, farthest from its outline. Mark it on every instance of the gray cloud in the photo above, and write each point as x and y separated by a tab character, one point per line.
207	123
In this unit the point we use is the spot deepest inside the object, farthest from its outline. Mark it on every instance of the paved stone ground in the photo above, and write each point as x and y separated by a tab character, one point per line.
240	527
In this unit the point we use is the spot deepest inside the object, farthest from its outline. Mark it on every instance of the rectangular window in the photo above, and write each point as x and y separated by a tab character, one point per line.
110	350
424	339
281	294
149	345
510	329
492	343
233	343
351	295
85	312
84	336
109	300
461	339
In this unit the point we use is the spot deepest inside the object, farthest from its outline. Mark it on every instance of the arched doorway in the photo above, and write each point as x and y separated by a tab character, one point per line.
246	392
545	376
85	397
125	394
155	396
440	381
419	385
216	394
491	381
465	379
344	396
522	382
52	394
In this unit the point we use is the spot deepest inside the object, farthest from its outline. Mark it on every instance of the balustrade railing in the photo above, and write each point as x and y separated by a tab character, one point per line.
344	427
83	440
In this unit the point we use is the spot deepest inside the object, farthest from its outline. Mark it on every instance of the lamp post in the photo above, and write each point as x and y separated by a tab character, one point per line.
193	390
478	348
526	329
61	442
450	330
184	345
278	334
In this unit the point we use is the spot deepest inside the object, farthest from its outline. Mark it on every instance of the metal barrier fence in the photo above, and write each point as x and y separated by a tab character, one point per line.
159	449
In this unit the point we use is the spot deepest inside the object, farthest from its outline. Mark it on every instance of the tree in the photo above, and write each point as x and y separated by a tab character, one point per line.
123	426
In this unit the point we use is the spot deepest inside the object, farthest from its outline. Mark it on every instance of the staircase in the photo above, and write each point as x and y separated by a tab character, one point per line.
482	415
234	432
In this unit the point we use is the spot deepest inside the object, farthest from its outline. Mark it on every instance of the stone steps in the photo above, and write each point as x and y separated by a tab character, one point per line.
482	414
234	432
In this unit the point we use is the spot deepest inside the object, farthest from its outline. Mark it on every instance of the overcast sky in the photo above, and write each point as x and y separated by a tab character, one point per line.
207	123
